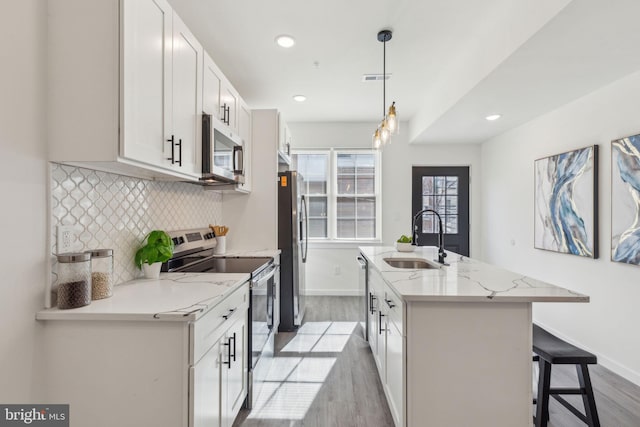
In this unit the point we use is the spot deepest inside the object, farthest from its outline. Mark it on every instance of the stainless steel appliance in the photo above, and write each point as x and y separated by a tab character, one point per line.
293	234
194	254
222	155
363	288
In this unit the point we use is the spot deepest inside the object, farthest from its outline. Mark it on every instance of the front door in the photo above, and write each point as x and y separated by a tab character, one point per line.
445	190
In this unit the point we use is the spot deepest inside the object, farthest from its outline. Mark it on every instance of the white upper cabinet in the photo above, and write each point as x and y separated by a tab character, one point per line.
229	105
122	81
221	100
187	100
212	80
147	81
244	130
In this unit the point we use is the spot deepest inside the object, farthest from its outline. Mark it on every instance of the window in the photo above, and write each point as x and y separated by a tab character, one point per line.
342	187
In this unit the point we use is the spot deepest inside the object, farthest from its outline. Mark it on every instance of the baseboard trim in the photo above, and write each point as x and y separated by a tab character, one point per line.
333	292
603	360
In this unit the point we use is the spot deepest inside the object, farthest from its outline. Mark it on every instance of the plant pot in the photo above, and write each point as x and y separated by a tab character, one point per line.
151	271
404	247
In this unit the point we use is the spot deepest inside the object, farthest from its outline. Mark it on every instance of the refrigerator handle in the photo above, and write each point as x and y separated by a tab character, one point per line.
304	227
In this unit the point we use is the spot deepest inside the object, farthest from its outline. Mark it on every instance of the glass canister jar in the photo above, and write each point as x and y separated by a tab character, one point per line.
74	280
101	273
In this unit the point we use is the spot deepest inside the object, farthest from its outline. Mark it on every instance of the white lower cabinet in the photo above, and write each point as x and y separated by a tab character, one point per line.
155	372
387	342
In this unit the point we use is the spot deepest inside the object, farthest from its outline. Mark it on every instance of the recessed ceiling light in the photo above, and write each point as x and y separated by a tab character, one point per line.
493	117
299	98
285	41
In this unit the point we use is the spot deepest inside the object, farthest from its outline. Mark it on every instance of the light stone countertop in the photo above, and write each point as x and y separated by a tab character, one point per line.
464	280
172	297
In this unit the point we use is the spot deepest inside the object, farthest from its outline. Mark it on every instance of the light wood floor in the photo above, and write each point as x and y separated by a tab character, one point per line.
351	394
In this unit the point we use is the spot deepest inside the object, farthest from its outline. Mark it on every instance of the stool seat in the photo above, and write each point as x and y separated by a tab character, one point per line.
550	350
557	351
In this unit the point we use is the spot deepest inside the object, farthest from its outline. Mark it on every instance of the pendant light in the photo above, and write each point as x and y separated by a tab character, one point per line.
389	124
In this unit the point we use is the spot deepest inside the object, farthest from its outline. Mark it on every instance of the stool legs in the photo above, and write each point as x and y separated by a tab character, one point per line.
588	399
542	402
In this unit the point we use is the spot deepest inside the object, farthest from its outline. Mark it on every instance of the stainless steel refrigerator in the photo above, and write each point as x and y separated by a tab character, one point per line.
293	227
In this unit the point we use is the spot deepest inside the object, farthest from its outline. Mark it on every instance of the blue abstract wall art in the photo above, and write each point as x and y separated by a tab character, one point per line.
566	198
625	200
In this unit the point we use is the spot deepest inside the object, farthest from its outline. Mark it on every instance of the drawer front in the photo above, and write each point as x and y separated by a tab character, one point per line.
209	328
395	309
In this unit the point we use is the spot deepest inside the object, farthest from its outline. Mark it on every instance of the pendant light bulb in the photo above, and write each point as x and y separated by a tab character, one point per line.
377	141
392	120
385	135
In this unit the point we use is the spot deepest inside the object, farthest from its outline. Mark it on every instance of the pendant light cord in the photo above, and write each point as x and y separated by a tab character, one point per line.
384	77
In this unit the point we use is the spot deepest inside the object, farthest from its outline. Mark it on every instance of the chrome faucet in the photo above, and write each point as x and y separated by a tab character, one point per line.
441	253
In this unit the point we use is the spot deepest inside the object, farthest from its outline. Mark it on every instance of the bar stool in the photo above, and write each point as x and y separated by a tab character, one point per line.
552	350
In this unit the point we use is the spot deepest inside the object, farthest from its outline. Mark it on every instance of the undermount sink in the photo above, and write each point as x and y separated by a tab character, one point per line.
411	263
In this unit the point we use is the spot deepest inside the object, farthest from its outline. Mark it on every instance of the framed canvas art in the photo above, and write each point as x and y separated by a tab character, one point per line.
566	199
625	200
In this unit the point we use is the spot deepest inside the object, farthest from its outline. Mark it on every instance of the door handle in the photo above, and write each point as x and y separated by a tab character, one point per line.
380	330
234	346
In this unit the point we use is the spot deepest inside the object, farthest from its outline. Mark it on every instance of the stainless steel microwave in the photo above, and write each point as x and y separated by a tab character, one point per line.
222	156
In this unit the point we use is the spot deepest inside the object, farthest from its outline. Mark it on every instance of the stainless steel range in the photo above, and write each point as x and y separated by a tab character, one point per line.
194	254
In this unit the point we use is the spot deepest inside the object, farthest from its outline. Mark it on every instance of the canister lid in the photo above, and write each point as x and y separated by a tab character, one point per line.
74	257
100	253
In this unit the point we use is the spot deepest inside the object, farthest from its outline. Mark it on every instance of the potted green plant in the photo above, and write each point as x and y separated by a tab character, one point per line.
404	244
158	249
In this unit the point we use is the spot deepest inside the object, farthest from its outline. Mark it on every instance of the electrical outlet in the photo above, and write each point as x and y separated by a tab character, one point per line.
66	236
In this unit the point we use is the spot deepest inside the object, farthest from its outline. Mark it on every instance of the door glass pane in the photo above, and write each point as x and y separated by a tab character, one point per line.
317	227
366	228
428	223
346	185
452	224
440	184
427	202
451	205
452	185
439	204
427	185
366	207
346	207
317	206
346	228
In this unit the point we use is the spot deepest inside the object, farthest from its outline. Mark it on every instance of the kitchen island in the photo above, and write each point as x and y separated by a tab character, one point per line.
453	343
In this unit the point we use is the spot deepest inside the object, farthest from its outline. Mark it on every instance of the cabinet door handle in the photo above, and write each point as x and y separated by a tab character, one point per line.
390	303
173	152
226	316
380	330
179	144
228	344
227	114
371	300
234	346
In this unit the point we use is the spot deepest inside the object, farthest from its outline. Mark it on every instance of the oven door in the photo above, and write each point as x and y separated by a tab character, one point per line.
261	344
262	305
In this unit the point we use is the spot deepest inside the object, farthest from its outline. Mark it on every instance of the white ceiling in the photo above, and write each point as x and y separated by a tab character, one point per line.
452	62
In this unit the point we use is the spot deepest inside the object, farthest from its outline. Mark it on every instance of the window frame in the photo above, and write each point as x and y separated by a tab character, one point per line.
332	194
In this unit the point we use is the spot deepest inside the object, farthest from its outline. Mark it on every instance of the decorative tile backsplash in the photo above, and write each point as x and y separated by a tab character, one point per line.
116	212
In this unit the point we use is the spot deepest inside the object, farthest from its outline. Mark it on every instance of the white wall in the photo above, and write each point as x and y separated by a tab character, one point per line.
397	161
24	198
608	324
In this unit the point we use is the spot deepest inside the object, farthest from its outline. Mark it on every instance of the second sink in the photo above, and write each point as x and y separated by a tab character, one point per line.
412	263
